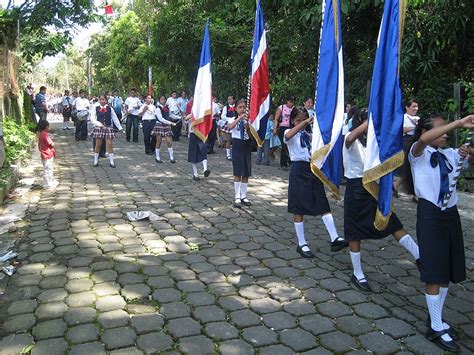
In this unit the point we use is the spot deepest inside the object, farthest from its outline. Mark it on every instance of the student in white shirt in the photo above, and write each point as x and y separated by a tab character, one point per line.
228	113
306	194
174	115
132	107
241	153
196	151
104	119
438	226
162	130
147	113
66	103
360	206
82	106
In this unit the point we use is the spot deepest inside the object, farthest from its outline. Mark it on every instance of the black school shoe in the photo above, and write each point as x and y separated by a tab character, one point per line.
304	254
95	165
237	203
207	173
435	337
196	178
246	202
361	284
339	244
453	333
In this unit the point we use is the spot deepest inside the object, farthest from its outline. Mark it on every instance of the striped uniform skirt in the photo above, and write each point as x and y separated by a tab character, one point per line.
103	133
162	130
359	214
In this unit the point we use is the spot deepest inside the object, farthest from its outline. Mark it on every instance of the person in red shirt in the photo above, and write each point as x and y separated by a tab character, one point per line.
47	151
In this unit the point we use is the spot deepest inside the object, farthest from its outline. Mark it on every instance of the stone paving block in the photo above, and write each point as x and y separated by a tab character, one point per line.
160	282
279	320
167	295
52	295
208	314
259	336
353	325
80	285
378	342
127	351
316	324
130	278
80	315
183	327
334	309
235	347
51	310
196	345
81	299
199	299
53	282
15	343
54	270
32	268
233	303
153	343
264	305
50	346
370	310
222	289
78	273
24	306
396	328
110	303
49	329
351	297
83	333
114	319
297	339
175	310
106	289
104	276
118	338
320	351
245	318
337	342
28	280
20	322
146	323
253	292
276	349
94	348
221	331
317	295
137	291
420	345
299	307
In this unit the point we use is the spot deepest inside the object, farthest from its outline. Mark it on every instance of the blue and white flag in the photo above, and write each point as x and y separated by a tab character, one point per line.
326	160
385	132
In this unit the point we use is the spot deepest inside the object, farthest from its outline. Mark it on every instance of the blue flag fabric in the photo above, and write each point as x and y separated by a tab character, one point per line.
385	132
326	159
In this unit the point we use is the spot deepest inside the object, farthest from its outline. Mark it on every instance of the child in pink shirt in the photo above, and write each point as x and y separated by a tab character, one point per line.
47	151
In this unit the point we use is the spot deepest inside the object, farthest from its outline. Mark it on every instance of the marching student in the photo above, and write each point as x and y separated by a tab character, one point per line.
359	205
197	151
306	195
132	105
147	113
47	152
82	105
66	103
162	130
280	125
241	153
228	112
104	119
175	115
438	226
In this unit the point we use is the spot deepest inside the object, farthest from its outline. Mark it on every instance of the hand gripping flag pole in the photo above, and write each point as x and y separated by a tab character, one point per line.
326	143
258	90
384	152
459	166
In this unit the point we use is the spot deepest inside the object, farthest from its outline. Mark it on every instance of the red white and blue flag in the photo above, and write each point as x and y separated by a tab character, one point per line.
202	107
259	83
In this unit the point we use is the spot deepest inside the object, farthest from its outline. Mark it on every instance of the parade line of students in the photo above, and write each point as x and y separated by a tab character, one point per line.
439	254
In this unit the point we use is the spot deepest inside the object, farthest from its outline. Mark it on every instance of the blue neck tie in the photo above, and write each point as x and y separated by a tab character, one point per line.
305	141
438	158
242	129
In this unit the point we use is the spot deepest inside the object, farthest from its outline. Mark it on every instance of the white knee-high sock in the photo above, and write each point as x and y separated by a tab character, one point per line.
111	158
443	292
195	169
96	158
204	164
357	265
433	302
330	226
299	228
157	153
170	151
243	189
228	152
237	186
409	244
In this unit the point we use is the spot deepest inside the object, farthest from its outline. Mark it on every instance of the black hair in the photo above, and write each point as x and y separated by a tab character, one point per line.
82	91
409	102
425	123
290	98
296	111
307	98
103	95
241	101
42	125
133	89
233	97
353	111
359	117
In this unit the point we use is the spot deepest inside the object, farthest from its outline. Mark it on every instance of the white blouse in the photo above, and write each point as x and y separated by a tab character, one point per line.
297	152
353	159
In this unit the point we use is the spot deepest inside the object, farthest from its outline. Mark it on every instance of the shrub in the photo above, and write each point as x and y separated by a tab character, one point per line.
18	139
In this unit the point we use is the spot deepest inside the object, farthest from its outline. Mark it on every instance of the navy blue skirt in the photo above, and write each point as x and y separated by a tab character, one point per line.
306	194
196	149
441	243
242	157
359	213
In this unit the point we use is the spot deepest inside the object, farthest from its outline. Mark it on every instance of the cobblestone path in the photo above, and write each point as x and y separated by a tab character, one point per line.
209	279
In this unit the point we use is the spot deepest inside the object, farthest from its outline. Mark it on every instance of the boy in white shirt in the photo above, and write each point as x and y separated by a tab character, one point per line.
82	106
132	107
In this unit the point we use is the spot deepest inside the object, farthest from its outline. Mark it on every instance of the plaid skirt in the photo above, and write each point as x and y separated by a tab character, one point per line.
162	130
102	133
